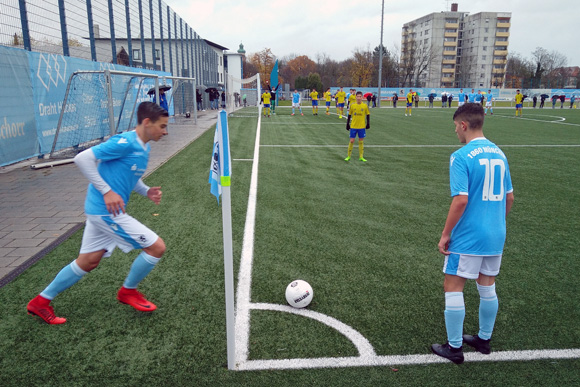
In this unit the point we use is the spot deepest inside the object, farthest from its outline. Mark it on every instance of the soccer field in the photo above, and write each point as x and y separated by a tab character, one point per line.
364	235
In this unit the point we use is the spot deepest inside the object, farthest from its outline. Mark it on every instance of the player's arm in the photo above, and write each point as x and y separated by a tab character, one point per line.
348	122
368	121
455	212
87	162
509	200
153	193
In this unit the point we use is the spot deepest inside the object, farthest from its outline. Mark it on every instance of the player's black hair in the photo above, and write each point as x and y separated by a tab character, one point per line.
150	110
472	113
359	92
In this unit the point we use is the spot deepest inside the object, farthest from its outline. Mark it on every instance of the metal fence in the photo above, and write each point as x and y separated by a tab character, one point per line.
136	33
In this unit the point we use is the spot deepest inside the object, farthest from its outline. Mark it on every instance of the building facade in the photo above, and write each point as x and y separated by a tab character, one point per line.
455	49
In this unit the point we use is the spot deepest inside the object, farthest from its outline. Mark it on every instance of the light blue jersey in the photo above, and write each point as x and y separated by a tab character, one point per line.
480	170
478	98
295	97
123	161
461	97
472	97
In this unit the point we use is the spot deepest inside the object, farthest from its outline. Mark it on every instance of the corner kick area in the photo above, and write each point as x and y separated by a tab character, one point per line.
366	353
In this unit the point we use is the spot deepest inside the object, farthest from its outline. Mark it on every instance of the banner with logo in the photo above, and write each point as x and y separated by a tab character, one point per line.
18	140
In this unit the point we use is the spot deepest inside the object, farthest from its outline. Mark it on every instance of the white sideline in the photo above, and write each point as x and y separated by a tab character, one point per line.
367	356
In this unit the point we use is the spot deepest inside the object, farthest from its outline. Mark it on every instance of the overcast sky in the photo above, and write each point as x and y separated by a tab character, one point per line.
337	27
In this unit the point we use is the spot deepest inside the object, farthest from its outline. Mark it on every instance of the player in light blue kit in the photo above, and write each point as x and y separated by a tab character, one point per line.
114	169
474	234
488	102
460	98
471	96
296	98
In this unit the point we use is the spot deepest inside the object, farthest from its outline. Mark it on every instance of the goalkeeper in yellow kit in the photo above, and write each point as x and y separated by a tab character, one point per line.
266	96
361	120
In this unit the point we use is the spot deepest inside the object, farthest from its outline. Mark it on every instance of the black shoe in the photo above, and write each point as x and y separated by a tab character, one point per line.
448	352
480	345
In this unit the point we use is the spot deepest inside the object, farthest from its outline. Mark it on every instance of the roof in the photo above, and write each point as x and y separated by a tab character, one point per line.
215	45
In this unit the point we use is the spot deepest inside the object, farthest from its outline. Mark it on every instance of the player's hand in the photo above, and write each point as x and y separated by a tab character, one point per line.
444	244
347	126
114	202
368	126
154	194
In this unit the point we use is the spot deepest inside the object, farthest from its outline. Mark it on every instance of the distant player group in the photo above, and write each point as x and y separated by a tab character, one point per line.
357	121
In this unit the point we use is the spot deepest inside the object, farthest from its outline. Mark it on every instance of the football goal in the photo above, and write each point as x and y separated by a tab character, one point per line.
100	104
243	96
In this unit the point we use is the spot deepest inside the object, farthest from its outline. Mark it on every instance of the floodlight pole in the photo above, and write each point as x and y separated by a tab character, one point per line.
381	55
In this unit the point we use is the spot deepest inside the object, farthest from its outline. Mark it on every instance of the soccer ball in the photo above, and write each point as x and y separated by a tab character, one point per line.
299	294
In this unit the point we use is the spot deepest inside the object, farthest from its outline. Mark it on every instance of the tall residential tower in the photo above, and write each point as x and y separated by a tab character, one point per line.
455	49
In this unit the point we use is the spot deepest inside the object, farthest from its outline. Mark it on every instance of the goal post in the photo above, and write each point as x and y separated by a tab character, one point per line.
243	96
100	104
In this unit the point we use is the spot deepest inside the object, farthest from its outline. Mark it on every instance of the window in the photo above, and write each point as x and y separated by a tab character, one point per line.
483	67
421	34
426	41
487	20
136	54
157	55
450	39
485	39
484	57
484	48
482	75
426	32
448	57
486	30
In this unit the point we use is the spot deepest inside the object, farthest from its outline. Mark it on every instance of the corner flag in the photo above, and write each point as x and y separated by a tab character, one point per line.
219	176
220	167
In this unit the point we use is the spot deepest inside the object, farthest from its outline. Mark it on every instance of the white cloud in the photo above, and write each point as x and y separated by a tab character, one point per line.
336	28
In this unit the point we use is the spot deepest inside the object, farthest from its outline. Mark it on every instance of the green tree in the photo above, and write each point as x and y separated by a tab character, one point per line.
314	82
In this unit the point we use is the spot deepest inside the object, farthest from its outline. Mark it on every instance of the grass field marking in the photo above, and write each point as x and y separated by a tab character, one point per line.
243	159
242	324
364	347
426	146
340	362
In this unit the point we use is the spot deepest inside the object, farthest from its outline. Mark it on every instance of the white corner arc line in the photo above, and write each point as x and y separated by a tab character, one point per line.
364	347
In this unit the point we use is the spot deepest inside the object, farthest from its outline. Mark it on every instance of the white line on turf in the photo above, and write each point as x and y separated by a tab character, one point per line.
426	146
367	356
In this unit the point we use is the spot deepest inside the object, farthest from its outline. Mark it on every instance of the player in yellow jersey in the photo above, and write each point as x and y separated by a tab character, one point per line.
409	102
361	120
314	96
340	97
328	98
519	102
266	101
351	97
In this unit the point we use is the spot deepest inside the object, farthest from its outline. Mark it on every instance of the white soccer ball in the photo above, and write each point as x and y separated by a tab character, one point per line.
299	294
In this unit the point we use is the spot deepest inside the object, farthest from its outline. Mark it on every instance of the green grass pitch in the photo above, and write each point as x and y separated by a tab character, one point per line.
364	235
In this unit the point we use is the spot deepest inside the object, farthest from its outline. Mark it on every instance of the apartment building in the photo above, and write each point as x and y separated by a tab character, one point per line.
455	49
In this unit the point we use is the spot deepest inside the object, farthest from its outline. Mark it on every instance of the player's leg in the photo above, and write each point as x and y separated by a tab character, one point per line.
361	149
350	144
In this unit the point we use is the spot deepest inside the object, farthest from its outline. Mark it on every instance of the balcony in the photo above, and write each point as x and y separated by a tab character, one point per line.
449	44
500	53
451	34
448	71
503	25
452	25
499	61
447	79
499	71
448	61
502	34
449	52
501	43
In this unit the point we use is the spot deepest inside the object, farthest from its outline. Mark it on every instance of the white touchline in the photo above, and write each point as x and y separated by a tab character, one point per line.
367	356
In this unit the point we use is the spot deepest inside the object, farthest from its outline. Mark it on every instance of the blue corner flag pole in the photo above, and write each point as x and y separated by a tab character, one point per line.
220	180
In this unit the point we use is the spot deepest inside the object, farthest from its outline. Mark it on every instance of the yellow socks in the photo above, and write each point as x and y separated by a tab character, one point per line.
361	149
350	146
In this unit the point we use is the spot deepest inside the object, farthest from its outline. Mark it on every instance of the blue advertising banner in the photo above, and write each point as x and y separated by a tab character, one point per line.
18	140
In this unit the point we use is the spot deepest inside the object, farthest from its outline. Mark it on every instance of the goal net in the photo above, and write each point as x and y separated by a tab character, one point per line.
243	96
182	96
97	105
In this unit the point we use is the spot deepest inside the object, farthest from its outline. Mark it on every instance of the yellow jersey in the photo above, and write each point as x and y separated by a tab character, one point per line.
352	98
519	98
314	95
327	96
266	97
358	113
340	96
410	98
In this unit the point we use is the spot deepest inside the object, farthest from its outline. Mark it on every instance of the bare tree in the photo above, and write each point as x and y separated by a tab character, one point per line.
518	69
361	68
415	61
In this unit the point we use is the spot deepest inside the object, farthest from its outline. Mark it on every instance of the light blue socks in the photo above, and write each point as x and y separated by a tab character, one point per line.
454	316
142	266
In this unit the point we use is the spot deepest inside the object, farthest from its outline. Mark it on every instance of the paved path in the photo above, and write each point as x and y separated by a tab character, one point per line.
41	208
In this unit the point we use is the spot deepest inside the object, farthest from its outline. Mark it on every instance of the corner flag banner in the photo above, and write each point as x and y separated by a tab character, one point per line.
220	167
274	75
